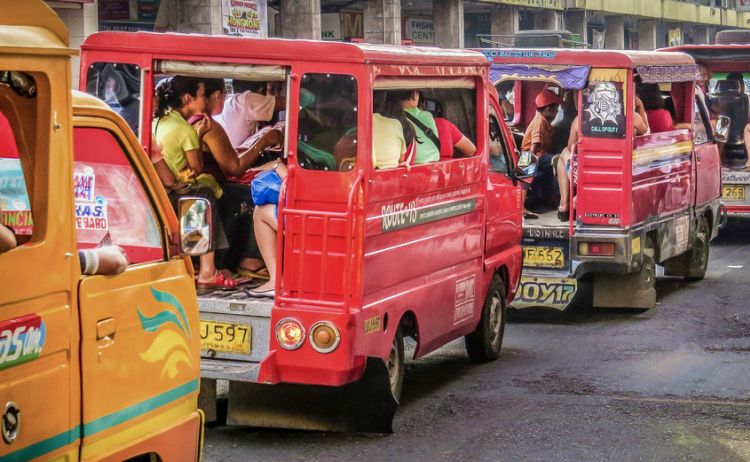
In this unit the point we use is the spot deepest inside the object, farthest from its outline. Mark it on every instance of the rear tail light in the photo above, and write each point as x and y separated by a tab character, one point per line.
596	249
324	337
290	334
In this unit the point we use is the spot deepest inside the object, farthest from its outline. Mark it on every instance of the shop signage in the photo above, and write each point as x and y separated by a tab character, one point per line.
330	24
552	4
419	31
246	18
743	5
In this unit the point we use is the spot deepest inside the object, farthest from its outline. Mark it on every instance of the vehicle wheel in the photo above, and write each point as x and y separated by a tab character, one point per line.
648	268
485	342
692	265
698	263
396	365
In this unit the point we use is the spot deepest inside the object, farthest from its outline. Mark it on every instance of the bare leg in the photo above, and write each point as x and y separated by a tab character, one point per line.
266	224
207	271
746	136
563	180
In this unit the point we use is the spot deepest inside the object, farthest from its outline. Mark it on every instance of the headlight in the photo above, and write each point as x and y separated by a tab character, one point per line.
290	334
324	337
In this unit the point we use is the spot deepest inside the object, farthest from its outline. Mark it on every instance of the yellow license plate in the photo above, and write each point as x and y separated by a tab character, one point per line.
543	257
226	337
733	193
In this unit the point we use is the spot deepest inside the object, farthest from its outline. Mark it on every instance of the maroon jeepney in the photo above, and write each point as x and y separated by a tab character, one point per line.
636	200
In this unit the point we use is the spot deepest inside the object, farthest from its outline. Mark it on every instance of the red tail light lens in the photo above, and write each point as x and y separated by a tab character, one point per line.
290	334
596	249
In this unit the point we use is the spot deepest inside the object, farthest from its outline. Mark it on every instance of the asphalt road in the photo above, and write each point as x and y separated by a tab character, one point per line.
668	384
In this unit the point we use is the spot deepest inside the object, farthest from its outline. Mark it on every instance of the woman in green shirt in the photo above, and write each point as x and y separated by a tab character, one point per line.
178	99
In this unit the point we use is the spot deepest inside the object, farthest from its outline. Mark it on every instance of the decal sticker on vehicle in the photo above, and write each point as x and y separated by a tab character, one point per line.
735	177
402	215
636	245
83	185
21	340
603	109
170	346
372	325
547	292
15	209
465	297
91	210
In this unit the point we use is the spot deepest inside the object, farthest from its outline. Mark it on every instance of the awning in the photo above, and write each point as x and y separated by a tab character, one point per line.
661	74
258	72
567	77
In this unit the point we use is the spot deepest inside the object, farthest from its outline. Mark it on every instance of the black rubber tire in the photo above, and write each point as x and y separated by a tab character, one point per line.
395	365
648	267
692	264
485	343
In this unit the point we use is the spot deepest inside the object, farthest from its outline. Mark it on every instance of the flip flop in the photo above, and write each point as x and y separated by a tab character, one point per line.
259	273
220	282
264	294
530	215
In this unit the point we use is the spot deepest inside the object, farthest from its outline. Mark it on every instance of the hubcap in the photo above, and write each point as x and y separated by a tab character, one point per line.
495	319
393	367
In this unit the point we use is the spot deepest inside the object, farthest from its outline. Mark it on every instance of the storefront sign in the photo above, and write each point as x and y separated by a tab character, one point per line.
743	5
551	4
675	37
114	9
419	30
330	24
352	24
246	18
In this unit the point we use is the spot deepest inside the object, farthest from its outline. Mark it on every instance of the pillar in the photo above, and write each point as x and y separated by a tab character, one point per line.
300	19
81	21
503	25
576	21
546	20
189	16
448	20
647	34
614	32
382	21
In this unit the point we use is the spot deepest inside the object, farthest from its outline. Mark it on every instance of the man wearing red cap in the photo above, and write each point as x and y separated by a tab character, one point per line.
538	140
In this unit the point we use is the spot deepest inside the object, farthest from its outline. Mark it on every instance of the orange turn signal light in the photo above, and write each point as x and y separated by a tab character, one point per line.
324	337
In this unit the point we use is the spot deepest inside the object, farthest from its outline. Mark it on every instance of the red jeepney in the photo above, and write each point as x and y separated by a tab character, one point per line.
430	252
635	200
729	97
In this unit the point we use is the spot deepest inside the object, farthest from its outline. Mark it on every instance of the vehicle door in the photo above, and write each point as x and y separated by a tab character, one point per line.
707	160
139	339
504	197
38	312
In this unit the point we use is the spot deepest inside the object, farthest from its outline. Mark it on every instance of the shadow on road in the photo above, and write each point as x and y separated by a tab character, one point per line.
735	232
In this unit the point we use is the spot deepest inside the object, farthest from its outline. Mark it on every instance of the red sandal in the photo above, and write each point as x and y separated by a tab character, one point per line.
220	282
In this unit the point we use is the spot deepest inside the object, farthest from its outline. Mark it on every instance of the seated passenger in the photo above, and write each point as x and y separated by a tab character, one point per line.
659	118
428	143
180	98
391	131
564	121
451	138
537	140
504	93
243	111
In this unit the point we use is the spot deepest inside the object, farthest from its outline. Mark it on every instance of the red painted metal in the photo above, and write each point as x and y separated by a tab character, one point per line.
338	261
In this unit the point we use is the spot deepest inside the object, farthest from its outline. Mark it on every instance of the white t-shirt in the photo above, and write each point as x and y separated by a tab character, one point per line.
242	112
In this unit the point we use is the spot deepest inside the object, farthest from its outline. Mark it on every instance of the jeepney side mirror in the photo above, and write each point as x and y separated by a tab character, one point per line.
525	169
195	226
721	133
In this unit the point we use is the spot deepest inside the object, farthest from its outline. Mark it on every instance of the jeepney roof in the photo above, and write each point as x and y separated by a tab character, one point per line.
31	27
594	58
191	45
721	57
84	100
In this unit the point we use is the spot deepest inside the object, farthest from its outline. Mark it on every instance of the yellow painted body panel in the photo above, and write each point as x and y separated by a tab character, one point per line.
117	370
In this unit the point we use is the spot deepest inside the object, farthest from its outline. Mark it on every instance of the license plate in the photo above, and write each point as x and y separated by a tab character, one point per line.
547	292
543	257
226	337
733	193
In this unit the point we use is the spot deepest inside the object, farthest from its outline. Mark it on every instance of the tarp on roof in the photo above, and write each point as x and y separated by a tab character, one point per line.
567	77
660	74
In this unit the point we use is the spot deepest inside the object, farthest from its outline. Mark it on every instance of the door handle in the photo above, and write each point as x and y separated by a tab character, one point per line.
105	331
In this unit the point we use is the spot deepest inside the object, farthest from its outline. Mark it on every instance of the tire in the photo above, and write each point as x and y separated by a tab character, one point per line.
692	265
395	366
485	343
648	267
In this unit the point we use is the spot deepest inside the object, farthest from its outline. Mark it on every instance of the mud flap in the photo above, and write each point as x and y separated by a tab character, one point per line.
363	406
623	291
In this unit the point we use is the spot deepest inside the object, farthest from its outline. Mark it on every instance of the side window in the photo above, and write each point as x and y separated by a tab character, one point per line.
700	127
118	85
110	203
498	152
327	129
15	206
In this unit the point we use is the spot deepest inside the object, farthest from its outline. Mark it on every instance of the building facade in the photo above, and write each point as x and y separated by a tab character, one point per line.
618	24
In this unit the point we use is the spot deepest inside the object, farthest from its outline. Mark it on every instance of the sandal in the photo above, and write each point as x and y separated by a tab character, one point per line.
259	273
530	215
265	294
220	282
563	215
